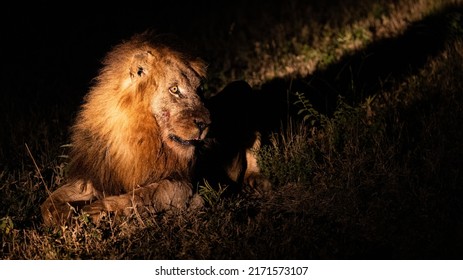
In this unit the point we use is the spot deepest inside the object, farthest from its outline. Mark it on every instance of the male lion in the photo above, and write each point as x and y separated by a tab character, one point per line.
134	139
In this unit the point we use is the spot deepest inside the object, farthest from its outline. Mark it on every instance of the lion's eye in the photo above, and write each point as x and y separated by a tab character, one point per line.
174	90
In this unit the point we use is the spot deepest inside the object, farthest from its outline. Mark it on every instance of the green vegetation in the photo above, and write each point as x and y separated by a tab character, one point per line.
376	173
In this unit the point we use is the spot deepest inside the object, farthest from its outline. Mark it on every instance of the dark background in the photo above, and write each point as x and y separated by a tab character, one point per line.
65	43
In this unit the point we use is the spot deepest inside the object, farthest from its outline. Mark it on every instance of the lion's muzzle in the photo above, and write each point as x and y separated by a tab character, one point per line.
191	128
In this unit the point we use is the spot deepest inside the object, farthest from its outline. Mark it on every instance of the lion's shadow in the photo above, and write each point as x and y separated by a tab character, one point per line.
377	67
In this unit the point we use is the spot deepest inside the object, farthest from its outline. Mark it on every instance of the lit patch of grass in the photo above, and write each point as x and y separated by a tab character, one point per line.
306	42
211	195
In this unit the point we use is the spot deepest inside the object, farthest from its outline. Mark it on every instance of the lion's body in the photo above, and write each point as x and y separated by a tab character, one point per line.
133	141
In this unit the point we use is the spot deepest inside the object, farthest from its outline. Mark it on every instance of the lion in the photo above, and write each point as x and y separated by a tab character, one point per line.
134	139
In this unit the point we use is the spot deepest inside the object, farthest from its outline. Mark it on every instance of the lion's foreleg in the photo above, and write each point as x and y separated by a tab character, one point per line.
57	209
165	195
252	175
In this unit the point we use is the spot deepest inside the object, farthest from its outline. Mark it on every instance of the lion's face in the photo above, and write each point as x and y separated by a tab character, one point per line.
176	102
156	97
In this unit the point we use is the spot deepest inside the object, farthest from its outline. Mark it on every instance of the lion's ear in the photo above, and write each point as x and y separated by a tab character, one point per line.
140	65
200	67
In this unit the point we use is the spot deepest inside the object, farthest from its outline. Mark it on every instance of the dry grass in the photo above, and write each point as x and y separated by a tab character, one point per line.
379	176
